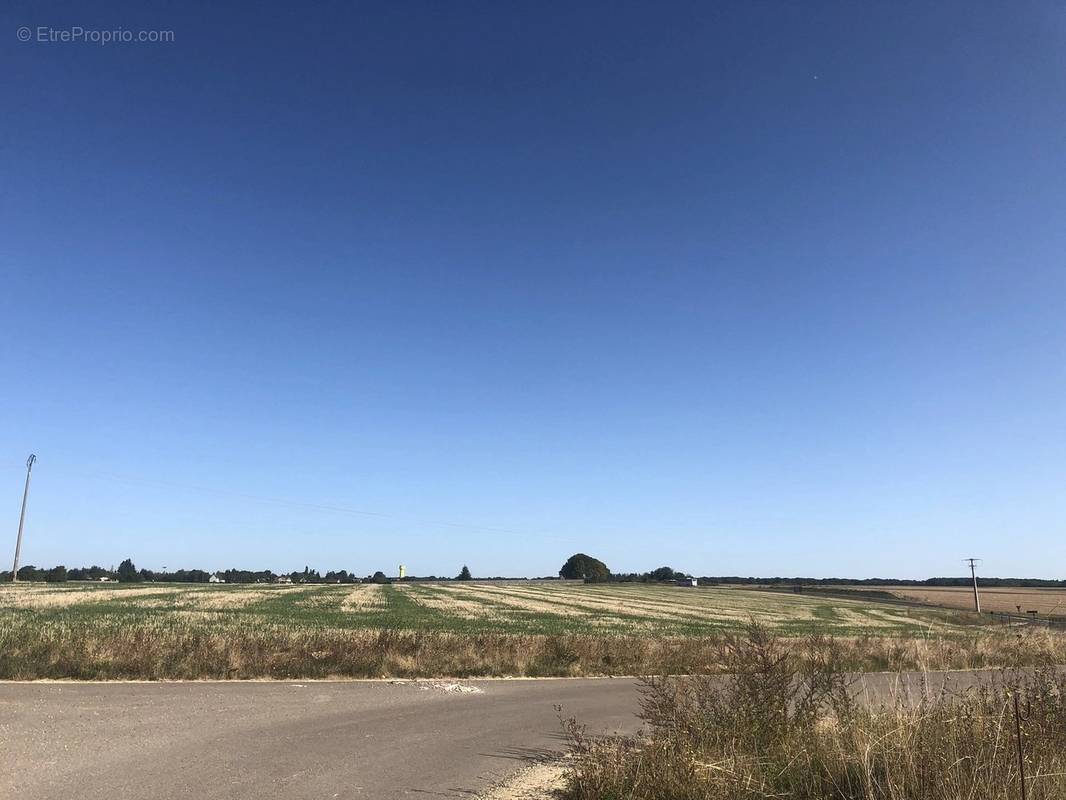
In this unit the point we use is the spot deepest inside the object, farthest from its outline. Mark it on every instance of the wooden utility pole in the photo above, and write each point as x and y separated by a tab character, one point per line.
22	517
973	574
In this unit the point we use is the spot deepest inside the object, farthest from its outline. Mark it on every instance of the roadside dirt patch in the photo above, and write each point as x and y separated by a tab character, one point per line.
537	782
449	687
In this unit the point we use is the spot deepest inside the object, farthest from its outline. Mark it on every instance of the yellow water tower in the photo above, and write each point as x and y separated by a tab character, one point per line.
403	572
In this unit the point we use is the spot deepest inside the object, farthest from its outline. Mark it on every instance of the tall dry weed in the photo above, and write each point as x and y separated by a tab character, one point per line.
784	723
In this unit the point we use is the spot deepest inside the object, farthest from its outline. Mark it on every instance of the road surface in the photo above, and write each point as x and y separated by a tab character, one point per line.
293	740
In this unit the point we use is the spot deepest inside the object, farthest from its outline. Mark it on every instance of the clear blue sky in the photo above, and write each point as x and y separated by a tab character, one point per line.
755	288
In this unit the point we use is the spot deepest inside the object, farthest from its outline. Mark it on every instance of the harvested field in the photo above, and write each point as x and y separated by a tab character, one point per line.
655	608
41	597
453	628
513	607
367	596
1047	602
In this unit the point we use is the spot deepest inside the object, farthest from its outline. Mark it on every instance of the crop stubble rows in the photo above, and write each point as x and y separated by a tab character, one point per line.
519	607
458	629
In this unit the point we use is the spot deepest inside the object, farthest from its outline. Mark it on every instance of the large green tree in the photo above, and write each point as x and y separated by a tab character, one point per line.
127	573
464	574
580	565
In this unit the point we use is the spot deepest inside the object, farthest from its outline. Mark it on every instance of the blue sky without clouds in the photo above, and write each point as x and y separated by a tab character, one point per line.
742	288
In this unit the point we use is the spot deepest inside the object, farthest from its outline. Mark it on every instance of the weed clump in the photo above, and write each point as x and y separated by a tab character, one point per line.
785	723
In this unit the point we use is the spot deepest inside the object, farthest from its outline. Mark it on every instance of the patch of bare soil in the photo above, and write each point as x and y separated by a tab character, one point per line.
538	782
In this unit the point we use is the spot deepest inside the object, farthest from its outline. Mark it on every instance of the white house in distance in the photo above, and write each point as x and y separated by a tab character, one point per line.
216	579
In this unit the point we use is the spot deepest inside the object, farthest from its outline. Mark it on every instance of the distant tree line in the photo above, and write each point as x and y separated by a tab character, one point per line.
32	573
127	572
582	566
964	581
655	576
578	567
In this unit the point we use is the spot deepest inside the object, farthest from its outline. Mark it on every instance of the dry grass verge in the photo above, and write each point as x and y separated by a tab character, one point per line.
121	648
784	724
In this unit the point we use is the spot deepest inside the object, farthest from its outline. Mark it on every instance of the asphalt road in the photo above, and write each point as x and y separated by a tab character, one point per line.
233	740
